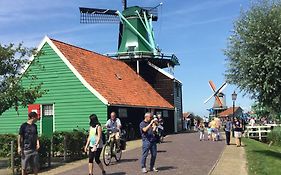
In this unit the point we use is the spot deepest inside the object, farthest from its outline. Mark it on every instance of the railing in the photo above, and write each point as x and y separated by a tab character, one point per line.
257	131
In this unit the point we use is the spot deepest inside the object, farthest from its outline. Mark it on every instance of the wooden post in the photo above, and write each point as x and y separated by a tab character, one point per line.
64	148
50	153
12	157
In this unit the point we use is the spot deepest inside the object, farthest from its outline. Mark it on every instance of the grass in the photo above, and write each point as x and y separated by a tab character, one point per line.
262	159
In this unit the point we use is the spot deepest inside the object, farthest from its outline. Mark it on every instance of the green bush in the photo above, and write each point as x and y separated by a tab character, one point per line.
5	144
71	142
58	147
275	136
5	150
44	151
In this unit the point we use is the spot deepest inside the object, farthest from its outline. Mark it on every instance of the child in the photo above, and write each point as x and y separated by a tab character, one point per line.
209	130
201	129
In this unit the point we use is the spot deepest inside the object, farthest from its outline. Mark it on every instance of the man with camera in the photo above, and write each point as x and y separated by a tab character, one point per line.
148	128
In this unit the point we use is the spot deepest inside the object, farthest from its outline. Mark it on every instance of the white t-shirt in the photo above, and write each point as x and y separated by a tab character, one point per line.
113	124
94	136
252	122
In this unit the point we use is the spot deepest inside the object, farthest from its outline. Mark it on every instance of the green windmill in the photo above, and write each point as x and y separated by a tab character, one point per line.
136	37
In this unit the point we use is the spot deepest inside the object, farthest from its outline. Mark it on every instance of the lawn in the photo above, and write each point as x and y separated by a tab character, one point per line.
262	159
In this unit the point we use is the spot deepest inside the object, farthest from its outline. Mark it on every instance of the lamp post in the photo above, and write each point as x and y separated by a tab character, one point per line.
234	97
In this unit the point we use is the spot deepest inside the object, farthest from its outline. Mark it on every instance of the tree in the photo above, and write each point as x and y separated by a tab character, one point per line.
254	54
13	60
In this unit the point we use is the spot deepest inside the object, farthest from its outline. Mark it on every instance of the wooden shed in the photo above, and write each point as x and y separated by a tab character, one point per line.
81	82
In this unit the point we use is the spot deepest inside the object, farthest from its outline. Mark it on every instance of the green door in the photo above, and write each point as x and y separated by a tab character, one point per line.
47	120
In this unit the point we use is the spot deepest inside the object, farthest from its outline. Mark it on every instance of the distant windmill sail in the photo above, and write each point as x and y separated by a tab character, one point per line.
216	93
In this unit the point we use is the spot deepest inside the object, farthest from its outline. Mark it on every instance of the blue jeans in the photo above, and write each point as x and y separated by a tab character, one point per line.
146	147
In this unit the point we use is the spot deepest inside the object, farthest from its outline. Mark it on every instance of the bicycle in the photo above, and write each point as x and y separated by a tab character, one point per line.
111	149
128	131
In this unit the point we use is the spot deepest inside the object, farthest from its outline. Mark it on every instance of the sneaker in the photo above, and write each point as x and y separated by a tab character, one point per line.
154	169
143	170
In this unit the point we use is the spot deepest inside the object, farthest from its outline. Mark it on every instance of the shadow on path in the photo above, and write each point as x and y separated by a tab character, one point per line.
165	168
168	141
117	173
127	160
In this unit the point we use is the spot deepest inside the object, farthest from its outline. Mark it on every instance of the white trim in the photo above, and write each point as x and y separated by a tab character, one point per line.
176	120
54	129
71	67
163	72
41	118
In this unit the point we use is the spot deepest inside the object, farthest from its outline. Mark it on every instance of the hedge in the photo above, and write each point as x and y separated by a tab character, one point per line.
275	136
70	142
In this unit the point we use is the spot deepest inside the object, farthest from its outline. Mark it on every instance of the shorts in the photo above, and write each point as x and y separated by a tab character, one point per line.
237	134
95	155
30	158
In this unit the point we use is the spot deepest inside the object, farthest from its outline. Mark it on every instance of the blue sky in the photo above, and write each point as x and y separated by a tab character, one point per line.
195	30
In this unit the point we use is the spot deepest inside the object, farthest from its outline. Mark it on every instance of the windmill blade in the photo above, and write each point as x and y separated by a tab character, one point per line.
223	86
208	98
212	85
152	11
93	15
218	100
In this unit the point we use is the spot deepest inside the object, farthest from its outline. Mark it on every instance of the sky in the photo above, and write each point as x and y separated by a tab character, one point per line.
196	31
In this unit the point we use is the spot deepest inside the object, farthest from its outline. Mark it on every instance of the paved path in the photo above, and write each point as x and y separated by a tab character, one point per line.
232	162
181	154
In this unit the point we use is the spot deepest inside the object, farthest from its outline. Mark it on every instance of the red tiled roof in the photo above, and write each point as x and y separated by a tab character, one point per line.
113	79
228	112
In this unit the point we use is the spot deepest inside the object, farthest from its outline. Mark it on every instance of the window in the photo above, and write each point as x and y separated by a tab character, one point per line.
165	113
122	113
47	110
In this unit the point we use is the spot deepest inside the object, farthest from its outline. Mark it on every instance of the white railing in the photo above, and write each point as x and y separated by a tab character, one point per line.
257	131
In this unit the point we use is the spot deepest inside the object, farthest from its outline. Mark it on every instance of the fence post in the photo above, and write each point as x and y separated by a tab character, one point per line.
50	153
64	148
259	133
12	157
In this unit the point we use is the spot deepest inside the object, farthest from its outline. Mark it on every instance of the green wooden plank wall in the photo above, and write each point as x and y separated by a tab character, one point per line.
73	103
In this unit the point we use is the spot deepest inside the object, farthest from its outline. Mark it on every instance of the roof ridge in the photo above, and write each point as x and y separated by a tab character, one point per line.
77	47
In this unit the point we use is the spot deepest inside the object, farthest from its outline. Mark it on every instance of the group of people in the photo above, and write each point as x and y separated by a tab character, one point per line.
214	126
150	127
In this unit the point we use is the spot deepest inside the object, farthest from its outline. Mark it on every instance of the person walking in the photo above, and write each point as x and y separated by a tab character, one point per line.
28	144
147	130
95	144
201	130
237	125
227	130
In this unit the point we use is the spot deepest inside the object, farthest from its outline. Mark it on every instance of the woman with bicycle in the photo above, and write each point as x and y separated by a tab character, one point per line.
95	144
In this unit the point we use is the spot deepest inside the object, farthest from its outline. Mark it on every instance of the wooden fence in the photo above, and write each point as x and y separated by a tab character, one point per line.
257	131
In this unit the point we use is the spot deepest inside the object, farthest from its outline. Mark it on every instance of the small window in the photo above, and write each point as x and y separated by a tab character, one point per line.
165	113
122	113
47	110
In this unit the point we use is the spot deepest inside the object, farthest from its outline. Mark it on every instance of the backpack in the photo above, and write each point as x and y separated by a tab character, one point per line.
103	138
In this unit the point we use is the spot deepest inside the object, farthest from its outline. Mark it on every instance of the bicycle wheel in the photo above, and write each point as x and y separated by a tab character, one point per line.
118	152
106	154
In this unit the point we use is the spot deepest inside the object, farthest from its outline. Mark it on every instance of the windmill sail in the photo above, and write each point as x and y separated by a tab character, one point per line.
94	15
216	93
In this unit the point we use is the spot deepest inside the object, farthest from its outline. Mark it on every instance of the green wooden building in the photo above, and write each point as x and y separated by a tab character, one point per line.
81	82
